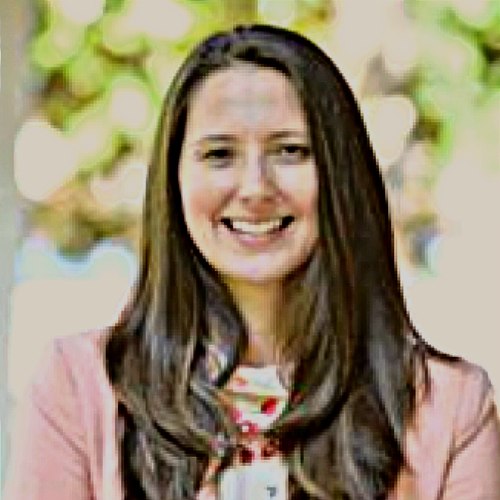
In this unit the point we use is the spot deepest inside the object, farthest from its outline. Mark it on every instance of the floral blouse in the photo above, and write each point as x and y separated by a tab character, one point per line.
255	398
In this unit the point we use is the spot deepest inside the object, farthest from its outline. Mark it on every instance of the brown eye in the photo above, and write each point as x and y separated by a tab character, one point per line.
292	153
217	157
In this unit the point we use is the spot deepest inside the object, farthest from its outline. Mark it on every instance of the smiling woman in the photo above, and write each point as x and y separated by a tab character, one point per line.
266	352
248	179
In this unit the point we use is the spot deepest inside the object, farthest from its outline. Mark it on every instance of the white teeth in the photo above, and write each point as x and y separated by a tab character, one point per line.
256	228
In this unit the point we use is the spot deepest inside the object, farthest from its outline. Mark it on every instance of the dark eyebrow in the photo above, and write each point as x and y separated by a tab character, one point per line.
214	138
281	134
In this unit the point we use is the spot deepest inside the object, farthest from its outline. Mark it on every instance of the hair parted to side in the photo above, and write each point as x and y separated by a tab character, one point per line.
358	360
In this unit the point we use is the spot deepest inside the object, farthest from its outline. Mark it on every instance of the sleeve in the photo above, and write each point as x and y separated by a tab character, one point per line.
48	453
473	471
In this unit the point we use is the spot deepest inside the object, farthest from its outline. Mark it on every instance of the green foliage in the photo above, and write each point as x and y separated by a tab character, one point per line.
459	68
88	69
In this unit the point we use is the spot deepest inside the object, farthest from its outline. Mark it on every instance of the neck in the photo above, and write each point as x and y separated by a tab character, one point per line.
260	306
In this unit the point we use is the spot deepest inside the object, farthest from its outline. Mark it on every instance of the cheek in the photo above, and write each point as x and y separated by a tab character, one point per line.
302	188
310	201
202	196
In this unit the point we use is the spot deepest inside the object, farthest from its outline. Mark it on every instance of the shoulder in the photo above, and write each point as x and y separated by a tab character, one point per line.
89	344
459	405
75	355
71	373
455	434
64	430
462	392
460	398
465	389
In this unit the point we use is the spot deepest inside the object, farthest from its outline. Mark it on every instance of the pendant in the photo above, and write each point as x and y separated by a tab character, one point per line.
262	480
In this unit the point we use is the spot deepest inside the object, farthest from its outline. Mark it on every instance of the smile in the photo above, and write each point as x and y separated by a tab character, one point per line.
258	228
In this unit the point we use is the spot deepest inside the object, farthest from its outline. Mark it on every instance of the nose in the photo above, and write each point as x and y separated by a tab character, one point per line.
257	179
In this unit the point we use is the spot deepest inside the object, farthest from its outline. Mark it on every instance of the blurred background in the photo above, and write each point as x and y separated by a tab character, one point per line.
81	83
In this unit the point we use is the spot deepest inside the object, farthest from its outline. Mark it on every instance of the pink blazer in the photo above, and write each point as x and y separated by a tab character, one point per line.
64	446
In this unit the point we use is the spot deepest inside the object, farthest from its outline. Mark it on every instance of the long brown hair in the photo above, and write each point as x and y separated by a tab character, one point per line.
358	360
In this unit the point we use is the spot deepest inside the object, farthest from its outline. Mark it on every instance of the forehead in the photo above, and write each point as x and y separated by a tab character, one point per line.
246	98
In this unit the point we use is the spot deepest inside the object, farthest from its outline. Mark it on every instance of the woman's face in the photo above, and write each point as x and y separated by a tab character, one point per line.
247	176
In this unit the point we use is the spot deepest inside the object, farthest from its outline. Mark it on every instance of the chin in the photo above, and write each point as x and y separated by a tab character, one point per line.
261	276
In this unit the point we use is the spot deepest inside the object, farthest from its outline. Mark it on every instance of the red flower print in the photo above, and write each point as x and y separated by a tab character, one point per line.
246	455
269	406
249	428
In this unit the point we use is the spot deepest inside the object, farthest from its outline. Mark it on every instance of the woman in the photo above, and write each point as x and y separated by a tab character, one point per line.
267	343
